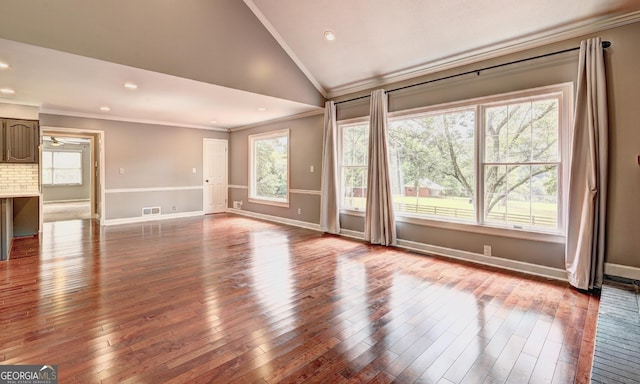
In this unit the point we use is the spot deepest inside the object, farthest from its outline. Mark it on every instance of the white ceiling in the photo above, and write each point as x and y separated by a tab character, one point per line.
67	84
380	41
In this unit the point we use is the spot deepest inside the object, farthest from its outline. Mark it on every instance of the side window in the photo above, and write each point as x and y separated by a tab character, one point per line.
354	156
269	168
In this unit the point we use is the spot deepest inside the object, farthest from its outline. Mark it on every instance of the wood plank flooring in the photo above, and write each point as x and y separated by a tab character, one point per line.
228	299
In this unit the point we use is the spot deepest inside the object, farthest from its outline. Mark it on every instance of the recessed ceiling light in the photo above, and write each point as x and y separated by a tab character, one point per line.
329	35
105	108
130	86
3	65
7	91
262	109
214	121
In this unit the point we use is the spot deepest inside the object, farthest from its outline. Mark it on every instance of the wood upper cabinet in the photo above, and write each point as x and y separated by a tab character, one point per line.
20	140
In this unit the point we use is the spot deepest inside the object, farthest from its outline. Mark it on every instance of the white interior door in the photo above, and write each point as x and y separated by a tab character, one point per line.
214	172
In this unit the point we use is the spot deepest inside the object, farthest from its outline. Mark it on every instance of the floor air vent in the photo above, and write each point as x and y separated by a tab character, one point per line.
150	211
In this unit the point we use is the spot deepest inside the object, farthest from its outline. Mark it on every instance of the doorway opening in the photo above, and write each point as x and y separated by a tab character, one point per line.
70	175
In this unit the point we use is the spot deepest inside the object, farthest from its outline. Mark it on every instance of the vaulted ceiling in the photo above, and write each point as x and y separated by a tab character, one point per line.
227	63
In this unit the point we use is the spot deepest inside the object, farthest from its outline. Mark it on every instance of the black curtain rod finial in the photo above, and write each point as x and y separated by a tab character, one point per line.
606	44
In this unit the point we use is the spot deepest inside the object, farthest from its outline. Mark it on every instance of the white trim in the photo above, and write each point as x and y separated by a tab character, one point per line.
511	265
236	186
491	52
152	189
276	219
482	229
352	234
251	143
314	112
127	119
625	271
141	219
274	32
100	145
275	203
305	192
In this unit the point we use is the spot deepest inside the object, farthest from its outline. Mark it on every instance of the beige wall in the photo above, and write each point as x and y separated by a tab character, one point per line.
305	149
623	222
154	36
152	156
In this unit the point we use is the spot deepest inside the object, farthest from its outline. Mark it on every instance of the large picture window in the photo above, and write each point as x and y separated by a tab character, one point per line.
431	164
61	167
495	161
269	168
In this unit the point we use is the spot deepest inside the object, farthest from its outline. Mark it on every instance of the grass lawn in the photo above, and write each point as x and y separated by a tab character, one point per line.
516	211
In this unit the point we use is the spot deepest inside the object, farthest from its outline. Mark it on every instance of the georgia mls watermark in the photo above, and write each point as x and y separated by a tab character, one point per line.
28	374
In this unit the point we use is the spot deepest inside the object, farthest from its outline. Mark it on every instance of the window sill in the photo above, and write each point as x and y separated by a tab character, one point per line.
352	212
276	203
522	234
484	229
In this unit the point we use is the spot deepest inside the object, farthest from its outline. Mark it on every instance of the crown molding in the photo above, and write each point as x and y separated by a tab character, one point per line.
318	111
127	119
487	53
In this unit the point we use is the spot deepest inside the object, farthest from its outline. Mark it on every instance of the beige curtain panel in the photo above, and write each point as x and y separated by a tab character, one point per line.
379	226
329	210
584	251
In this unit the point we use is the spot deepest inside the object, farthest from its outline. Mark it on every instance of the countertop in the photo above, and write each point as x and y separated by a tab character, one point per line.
12	194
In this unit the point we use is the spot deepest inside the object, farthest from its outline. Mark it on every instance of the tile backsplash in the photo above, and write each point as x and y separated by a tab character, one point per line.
19	178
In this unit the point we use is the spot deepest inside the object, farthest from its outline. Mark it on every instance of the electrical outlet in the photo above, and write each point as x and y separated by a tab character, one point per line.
173	208
299	211
311	169
487	250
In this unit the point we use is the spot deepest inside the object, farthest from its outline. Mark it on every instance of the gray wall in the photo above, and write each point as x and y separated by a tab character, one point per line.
71	192
152	35
623	221
152	156
305	149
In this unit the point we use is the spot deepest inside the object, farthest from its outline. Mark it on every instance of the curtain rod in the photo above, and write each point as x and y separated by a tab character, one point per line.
605	44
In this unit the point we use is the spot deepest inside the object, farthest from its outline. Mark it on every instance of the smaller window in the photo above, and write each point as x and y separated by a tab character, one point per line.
354	154
269	168
61	167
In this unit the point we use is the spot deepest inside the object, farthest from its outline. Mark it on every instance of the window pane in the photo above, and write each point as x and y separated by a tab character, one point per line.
61	167
522	195
522	132
47	176
67	176
354	159
47	159
354	187
431	164
67	159
270	167
355	144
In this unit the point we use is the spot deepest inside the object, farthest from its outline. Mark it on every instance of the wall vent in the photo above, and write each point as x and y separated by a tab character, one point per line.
147	211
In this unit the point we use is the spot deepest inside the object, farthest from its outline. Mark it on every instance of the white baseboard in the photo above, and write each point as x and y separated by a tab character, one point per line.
625	271
141	219
352	234
511	265
276	219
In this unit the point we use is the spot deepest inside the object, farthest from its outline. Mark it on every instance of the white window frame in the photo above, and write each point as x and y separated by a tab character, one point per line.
253	196
564	92
53	168
357	211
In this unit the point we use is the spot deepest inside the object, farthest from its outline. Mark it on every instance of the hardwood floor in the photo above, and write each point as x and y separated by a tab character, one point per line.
227	299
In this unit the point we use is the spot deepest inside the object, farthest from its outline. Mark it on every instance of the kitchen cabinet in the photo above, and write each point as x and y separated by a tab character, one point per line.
19	140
